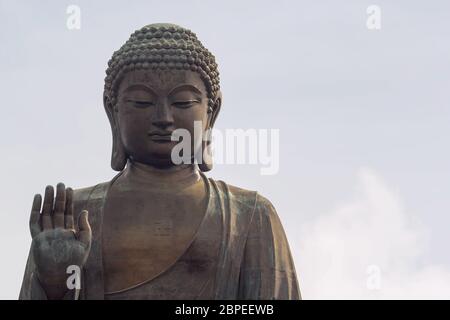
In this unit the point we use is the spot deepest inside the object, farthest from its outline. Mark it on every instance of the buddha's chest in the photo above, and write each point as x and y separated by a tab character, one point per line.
144	234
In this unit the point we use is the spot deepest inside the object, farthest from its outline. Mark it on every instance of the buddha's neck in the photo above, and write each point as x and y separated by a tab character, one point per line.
175	177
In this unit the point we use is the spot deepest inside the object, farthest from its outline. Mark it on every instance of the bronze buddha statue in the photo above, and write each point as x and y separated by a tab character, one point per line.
159	230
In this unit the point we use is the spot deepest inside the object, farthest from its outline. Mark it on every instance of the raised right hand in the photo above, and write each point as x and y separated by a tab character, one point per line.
56	244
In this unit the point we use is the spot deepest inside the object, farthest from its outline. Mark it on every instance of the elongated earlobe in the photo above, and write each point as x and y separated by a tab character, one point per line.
118	156
206	162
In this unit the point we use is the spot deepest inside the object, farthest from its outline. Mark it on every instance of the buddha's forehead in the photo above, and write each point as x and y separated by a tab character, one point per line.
162	80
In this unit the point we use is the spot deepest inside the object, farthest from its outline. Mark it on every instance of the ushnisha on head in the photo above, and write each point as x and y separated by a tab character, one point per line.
159	59
162	46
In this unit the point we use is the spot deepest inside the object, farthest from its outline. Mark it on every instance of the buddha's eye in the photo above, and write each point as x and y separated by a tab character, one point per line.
185	103
141	103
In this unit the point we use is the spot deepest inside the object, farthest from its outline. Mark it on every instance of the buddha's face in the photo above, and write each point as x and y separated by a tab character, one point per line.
154	103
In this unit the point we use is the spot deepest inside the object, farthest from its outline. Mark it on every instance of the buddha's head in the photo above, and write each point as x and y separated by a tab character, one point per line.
162	79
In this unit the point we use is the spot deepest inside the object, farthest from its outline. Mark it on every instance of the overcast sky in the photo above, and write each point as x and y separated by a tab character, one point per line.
364	119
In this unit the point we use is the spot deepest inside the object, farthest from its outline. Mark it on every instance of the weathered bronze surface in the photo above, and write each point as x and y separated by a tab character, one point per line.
159	230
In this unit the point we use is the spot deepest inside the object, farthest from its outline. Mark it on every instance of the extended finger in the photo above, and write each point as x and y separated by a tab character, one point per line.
35	227
68	214
47	208
60	206
84	233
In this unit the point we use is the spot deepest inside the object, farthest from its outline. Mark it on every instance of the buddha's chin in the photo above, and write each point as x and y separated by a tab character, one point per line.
157	159
158	154
160	150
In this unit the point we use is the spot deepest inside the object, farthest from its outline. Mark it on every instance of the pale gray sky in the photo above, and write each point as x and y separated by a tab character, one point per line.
364	122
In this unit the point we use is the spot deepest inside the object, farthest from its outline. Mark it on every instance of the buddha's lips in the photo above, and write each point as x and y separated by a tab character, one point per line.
160	135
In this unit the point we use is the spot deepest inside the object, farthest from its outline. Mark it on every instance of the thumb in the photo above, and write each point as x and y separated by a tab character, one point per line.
84	233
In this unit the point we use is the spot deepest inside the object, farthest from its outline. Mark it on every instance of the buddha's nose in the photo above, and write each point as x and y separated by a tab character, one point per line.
163	117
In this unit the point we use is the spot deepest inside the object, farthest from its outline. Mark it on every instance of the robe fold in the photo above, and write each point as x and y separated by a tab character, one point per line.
240	251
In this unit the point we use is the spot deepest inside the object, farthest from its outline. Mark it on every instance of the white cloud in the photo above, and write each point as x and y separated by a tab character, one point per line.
369	242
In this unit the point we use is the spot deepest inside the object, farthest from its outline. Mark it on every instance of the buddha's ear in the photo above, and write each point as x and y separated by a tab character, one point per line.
118	156
214	109
206	159
108	107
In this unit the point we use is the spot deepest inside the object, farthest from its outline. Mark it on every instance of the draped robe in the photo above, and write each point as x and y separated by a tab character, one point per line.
240	251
